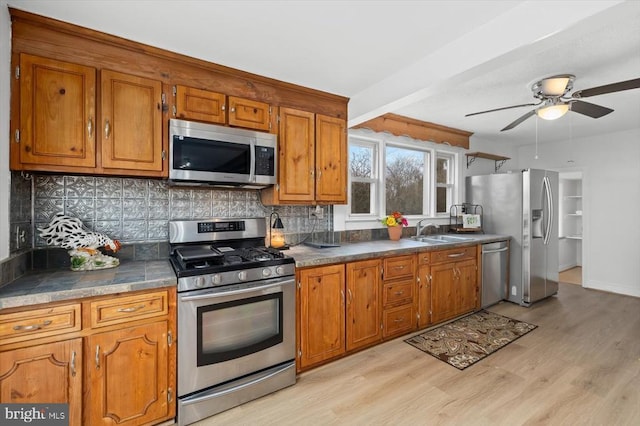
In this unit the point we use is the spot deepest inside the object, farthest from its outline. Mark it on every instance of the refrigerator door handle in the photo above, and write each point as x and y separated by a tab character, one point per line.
547	191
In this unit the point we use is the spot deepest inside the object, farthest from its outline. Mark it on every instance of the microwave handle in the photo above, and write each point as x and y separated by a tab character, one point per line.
252	164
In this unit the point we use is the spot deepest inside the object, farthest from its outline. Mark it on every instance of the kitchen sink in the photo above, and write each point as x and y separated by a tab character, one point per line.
441	239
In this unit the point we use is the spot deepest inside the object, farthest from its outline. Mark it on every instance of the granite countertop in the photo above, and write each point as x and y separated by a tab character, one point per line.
57	285
63	284
307	256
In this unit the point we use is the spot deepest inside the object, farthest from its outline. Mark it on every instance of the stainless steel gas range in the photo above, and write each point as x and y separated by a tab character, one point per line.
236	315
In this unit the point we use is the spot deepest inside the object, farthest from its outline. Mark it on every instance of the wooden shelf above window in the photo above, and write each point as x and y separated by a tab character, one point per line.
422	130
499	159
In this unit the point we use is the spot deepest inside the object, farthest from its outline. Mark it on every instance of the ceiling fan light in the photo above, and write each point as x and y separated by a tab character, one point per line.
555	86
552	112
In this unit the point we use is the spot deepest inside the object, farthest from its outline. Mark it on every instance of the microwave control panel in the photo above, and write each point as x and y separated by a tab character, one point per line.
265	159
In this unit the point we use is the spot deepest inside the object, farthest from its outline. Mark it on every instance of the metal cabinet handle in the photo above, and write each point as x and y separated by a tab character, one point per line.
342	295
32	327
90	127
97	357
131	309
398	319
233	109
107	129
399	267
456	254
399	293
350	294
224	107
73	364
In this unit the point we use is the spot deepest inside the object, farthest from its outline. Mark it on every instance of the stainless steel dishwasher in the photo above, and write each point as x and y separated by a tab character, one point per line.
495	274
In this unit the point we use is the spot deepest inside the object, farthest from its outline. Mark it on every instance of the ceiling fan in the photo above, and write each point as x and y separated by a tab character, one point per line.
554	101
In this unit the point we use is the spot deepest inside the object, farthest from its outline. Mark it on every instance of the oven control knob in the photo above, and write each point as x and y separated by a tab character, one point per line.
266	272
279	270
199	281
242	275
216	279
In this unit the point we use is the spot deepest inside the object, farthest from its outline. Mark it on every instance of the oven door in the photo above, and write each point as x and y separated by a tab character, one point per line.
228	332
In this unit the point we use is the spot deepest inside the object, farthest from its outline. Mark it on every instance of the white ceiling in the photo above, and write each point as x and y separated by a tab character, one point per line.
430	60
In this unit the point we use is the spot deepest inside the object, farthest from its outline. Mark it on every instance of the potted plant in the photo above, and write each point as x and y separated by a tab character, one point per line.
394	222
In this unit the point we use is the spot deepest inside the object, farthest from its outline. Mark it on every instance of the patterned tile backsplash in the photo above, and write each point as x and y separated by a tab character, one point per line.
138	210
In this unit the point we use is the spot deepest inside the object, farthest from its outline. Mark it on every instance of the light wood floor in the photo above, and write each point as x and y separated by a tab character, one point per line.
581	366
571	276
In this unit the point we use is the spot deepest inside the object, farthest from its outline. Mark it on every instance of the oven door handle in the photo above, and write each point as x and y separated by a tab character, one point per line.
233	292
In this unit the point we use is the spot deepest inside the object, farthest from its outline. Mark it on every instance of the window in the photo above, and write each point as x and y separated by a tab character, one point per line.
363	173
445	180
406	172
391	173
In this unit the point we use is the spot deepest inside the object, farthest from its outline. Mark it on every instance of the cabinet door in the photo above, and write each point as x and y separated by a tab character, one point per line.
249	114
363	303
202	105
322	308
296	156
57	113
467	286
331	160
443	292
128	374
424	296
131	126
49	373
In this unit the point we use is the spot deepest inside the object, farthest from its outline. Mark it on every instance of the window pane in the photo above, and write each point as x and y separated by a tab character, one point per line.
404	180
361	197
360	161
442	172
442	202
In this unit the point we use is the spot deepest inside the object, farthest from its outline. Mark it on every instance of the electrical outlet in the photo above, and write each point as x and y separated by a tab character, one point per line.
514	290
318	212
21	237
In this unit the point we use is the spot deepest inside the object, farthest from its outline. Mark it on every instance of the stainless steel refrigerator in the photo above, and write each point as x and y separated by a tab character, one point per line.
524	206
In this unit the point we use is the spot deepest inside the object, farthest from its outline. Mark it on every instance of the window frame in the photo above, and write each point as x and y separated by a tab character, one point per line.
374	180
345	220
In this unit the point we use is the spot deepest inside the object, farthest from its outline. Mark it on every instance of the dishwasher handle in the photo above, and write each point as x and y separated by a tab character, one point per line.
495	251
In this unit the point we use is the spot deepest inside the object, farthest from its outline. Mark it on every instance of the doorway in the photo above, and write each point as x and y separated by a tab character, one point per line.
570	221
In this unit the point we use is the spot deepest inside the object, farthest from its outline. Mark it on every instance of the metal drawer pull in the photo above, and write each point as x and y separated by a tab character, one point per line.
398	319
457	254
131	309
399	293
31	327
97	357
399	267
107	129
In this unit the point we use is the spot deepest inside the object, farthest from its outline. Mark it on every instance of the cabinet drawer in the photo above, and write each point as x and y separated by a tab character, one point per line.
37	323
424	258
453	255
398	267
398	320
397	293
128	308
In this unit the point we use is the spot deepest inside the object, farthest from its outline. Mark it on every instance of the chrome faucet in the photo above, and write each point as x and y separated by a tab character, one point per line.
419	228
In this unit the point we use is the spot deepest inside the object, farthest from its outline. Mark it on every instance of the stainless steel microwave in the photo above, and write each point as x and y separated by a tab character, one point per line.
208	154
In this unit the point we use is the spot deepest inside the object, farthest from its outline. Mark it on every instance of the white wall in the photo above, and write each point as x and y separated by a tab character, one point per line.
5	72
611	191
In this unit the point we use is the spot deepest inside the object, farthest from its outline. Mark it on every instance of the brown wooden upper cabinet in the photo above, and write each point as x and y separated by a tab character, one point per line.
312	160
218	108
59	130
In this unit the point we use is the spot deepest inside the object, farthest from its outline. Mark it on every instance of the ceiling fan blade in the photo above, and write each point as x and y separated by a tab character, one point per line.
500	109
519	120
608	88
589	109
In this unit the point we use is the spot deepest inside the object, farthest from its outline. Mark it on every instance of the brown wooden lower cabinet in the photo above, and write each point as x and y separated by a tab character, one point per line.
50	373
321	317
364	308
346	307
124	367
127	375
